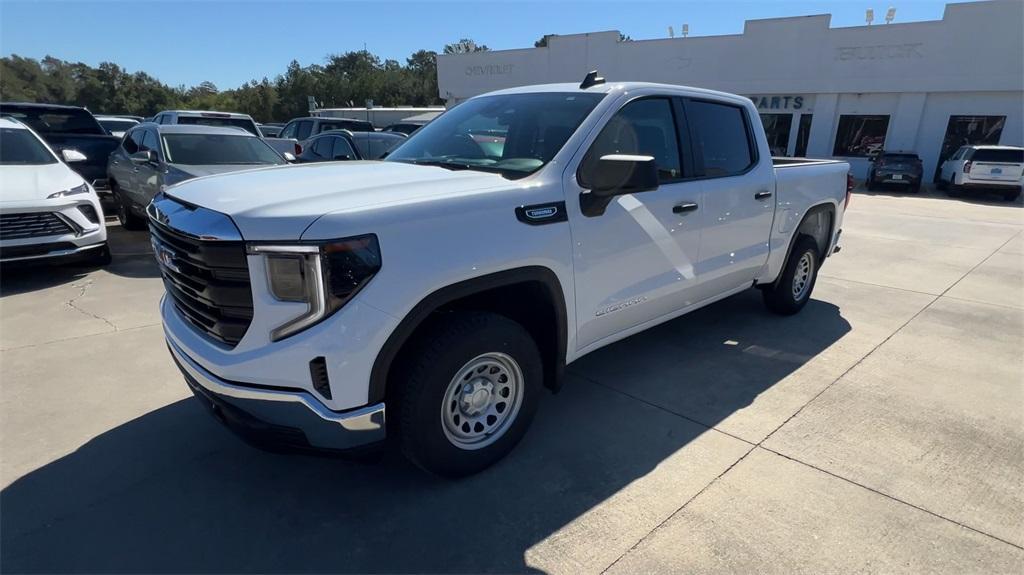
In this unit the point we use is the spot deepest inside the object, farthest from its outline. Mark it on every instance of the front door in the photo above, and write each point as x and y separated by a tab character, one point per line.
150	174
635	261
739	195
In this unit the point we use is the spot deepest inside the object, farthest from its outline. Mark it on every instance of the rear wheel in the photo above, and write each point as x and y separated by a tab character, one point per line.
468	393
870	184
127	219
953	190
793	289
1011	196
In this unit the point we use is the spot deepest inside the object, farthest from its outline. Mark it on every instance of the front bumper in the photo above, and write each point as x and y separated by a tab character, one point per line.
83	235
278	417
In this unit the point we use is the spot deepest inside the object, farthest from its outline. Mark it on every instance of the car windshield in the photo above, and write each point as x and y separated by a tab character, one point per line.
998	155
118	125
18	147
513	134
243	123
55	120
218	149
899	157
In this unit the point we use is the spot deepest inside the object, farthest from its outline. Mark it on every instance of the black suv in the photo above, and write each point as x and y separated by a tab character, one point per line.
895	168
340	145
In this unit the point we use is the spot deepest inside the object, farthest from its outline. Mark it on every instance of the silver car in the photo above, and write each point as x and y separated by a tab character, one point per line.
152	157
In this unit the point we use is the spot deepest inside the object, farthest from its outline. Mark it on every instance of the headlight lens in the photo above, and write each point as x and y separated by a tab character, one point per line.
325	276
82	189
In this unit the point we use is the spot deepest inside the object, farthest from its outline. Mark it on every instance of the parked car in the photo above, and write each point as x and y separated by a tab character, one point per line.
269	130
895	168
406	128
433	296
206	118
138	119
338	145
116	125
47	210
152	157
294	134
69	128
984	168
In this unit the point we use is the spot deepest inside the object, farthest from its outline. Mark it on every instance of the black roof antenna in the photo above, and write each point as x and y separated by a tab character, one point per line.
592	79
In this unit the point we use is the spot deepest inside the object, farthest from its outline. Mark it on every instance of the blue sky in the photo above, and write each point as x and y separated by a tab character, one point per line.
230	43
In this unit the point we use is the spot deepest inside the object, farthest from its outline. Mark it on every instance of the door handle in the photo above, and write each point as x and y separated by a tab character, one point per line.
683	208
762	195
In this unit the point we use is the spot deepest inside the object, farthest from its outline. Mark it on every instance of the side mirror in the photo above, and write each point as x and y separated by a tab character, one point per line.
615	175
70	156
142	157
288	157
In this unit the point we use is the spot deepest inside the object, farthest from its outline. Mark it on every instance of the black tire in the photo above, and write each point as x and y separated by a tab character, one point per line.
916	188
99	257
125	216
779	297
436	358
1011	196
870	184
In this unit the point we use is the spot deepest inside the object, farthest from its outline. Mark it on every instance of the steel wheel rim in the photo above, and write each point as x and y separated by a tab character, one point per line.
802	276
482	400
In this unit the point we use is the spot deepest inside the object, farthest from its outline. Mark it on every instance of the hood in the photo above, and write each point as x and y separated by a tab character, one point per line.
21	183
279	203
198	171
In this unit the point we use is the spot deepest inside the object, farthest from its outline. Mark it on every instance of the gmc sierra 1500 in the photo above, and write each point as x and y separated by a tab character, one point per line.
453	282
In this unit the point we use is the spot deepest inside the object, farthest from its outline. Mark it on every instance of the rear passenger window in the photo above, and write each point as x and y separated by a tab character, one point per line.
342	149
643	127
723	141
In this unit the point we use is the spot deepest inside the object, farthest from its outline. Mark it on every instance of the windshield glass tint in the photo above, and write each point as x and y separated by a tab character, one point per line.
990	155
212	149
118	125
56	121
243	123
899	157
20	148
515	134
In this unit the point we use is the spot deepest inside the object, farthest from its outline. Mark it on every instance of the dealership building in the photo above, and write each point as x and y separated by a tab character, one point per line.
823	92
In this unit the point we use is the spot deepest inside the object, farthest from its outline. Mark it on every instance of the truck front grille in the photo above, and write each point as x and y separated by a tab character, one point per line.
208	281
32	225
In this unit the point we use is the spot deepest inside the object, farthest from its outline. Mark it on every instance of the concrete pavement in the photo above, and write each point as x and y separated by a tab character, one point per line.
880	430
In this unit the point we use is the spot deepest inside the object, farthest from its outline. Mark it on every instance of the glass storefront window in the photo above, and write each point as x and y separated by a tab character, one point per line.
969	131
776	127
860	136
803	134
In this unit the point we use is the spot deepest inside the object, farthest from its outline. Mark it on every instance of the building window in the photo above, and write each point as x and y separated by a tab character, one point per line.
776	127
803	134
970	131
860	136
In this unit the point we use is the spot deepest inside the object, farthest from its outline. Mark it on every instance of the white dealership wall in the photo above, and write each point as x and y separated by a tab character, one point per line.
919	74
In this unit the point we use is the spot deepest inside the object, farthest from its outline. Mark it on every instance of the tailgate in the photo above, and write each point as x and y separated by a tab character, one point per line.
996	171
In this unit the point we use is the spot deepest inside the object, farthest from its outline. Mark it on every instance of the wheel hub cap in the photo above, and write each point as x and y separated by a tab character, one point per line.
482	400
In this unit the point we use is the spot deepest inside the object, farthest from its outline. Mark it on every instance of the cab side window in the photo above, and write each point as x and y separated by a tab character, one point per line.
723	141
645	127
289	130
305	128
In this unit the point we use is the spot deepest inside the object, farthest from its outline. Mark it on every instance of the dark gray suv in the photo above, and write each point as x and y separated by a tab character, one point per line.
152	157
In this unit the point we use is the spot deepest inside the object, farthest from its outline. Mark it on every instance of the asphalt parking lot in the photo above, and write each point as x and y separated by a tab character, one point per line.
880	430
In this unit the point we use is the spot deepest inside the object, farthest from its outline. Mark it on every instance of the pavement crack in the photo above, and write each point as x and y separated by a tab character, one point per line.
82	288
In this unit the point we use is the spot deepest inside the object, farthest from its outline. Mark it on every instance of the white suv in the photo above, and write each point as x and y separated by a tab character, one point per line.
46	209
993	168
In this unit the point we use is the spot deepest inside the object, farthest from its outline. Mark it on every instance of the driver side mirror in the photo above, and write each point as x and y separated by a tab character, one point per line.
70	156
143	157
616	175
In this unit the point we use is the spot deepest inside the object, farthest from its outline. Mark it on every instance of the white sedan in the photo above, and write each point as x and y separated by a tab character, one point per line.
46	209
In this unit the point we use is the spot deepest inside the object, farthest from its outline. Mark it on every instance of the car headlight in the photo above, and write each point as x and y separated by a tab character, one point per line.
83	189
323	275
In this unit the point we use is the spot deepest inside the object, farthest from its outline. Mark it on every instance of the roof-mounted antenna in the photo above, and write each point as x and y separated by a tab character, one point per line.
592	79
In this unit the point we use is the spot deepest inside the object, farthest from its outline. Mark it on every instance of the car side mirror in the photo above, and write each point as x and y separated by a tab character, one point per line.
616	175
143	157
288	157
70	156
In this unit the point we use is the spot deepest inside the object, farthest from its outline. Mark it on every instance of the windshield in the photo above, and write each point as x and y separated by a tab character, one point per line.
18	147
118	125
514	134
243	123
214	149
900	157
55	120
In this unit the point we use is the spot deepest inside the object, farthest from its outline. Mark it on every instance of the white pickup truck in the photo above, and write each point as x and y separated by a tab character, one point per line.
450	285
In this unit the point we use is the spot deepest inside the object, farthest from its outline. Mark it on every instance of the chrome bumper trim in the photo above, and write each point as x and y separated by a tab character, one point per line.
54	254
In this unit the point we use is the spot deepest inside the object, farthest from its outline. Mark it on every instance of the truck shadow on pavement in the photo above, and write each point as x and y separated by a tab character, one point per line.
173	491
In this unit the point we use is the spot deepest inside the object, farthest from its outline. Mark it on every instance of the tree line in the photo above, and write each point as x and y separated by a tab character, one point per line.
343	80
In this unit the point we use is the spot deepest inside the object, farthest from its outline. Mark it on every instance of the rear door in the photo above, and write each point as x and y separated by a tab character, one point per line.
997	164
633	263
739	201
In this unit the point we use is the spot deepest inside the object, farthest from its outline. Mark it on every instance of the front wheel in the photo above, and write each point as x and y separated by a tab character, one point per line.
468	393
793	289
125	217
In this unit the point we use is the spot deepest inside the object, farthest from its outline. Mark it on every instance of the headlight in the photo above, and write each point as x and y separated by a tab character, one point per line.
324	276
83	189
